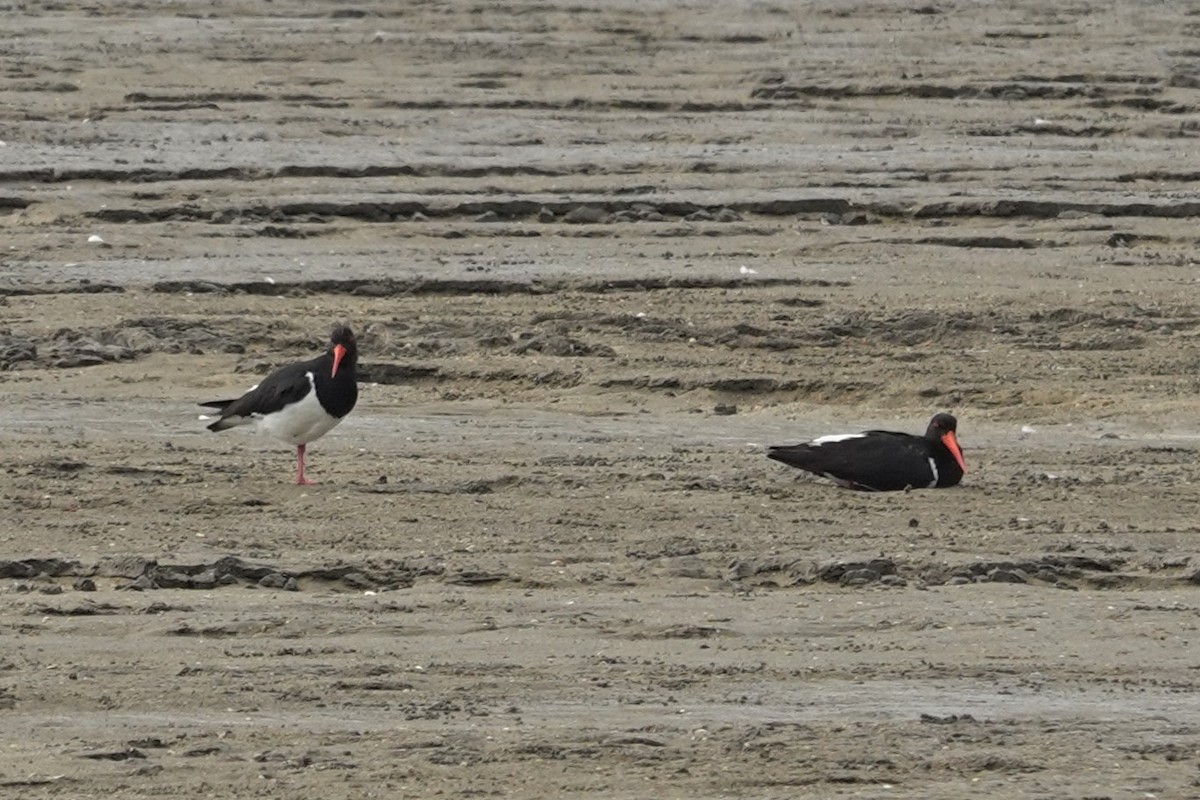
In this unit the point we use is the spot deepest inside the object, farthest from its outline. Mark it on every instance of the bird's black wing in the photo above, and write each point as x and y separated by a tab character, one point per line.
283	387
878	461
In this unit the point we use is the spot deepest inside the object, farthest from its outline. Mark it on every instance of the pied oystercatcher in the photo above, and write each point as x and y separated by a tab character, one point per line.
882	461
300	402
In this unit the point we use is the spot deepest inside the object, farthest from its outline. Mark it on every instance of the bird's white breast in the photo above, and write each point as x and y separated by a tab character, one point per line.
302	422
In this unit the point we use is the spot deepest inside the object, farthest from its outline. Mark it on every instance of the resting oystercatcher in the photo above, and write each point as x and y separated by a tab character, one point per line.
300	402
882	461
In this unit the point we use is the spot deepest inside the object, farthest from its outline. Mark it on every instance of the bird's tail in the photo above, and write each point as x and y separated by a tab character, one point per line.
224	422
228	422
794	455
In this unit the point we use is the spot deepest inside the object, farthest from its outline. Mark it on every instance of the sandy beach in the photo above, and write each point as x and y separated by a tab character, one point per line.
598	258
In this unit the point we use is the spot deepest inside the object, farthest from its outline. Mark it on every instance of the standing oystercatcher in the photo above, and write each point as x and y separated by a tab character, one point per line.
882	461
300	402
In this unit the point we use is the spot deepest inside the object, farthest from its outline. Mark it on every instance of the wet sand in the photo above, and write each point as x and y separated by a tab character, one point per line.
598	258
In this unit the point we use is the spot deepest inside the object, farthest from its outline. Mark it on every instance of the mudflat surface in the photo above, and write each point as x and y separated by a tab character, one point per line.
598	256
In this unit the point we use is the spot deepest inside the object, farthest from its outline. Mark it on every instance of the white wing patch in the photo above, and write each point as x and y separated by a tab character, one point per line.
933	468
836	437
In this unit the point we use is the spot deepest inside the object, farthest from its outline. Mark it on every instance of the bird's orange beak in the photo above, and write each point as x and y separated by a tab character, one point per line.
951	442
339	352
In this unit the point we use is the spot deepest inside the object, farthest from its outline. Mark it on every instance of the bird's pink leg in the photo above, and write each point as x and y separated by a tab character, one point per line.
300	479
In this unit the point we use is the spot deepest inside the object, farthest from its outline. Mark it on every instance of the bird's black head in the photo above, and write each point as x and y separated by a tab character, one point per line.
941	424
342	335
344	348
942	429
